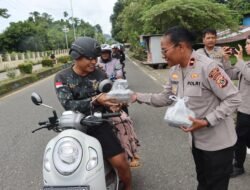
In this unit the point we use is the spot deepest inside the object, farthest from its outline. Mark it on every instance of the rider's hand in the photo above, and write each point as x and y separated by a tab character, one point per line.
116	108
105	100
197	124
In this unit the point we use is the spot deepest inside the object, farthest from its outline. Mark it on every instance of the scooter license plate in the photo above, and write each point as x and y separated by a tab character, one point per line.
66	188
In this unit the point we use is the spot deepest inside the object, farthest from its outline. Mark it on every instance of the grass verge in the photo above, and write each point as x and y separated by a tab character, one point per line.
9	85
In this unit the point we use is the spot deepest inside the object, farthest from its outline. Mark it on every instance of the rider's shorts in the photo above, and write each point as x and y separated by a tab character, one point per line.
110	144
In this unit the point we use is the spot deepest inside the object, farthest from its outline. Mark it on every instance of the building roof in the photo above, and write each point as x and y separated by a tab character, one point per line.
234	37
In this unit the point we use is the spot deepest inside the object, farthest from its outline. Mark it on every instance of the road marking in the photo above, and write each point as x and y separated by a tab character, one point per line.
143	70
153	78
248	151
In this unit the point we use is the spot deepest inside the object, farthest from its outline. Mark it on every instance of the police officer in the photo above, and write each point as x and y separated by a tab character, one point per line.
241	72
212	97
77	87
217	53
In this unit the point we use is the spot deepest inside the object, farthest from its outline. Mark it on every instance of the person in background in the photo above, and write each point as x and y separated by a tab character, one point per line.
53	58
118	53
217	53
212	134
123	57
77	90
115	51
110	65
241	72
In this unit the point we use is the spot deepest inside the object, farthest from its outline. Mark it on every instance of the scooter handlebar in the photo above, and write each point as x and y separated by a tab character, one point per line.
42	122
108	115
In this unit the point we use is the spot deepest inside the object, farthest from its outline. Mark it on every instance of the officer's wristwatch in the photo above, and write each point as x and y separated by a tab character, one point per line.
208	124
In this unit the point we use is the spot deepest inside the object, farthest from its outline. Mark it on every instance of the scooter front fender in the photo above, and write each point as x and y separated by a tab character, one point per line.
94	178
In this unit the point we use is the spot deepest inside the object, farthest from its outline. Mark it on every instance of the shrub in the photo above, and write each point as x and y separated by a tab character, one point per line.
13	55
63	59
29	62
25	68
10	72
47	63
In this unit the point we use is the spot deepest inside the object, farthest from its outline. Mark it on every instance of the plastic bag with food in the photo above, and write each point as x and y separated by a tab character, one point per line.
178	114
120	91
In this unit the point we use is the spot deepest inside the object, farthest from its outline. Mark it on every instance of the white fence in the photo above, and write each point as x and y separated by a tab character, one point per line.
13	60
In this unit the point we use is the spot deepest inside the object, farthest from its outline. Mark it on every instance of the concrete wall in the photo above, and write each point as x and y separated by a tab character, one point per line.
13	60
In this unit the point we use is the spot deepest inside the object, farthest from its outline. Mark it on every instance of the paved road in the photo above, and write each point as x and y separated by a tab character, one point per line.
165	155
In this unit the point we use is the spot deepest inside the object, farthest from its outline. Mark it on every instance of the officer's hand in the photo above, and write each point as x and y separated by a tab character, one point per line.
106	100
239	54
133	98
197	124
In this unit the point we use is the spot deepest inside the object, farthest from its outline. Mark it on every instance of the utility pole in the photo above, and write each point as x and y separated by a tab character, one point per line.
72	17
65	30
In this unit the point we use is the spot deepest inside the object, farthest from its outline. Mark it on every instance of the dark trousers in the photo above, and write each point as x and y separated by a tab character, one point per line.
243	134
213	168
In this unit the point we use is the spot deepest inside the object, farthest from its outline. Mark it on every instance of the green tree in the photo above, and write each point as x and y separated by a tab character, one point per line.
117	10
3	13
192	14
40	32
98	28
132	18
65	14
241	6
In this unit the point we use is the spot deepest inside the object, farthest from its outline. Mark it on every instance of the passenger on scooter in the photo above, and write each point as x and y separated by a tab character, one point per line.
77	87
118	53
111	66
129	141
115	51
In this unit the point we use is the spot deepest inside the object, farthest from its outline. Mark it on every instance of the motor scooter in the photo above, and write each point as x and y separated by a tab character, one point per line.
73	160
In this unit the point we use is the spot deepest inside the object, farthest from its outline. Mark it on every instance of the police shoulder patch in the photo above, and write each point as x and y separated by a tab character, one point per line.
218	77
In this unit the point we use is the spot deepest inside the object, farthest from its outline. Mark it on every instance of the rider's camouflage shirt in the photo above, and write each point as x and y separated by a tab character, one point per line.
75	91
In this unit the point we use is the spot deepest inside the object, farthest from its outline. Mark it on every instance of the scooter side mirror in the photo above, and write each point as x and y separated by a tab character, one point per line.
105	86
36	98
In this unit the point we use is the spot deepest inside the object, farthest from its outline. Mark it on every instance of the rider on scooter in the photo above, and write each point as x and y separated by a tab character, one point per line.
110	65
77	87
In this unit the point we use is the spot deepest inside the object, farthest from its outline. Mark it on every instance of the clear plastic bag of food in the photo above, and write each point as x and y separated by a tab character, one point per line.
178	114
120	91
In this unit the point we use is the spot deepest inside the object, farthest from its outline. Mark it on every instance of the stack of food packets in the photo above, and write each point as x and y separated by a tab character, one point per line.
178	114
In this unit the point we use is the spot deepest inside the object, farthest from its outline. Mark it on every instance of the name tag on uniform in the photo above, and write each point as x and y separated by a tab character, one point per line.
193	83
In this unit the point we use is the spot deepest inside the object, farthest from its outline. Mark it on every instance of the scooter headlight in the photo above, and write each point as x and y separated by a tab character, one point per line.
93	159
67	155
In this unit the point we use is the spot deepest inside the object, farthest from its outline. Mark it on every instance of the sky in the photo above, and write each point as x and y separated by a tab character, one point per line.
92	11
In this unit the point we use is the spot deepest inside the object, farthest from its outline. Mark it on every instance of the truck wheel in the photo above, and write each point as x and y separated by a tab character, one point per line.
162	66
155	66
